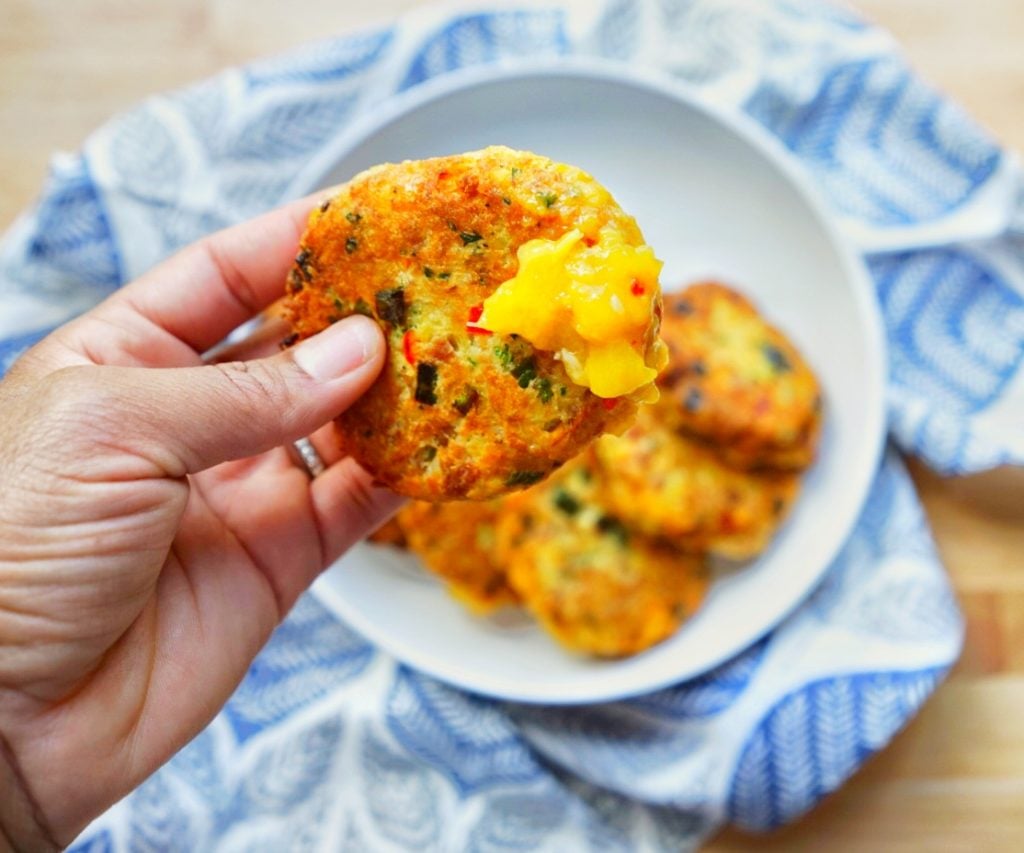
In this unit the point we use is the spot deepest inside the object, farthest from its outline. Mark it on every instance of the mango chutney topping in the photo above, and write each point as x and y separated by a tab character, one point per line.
590	300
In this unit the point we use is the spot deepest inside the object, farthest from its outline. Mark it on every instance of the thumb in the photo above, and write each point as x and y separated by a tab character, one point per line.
186	419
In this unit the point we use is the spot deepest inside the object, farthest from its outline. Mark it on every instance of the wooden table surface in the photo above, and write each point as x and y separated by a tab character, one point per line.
954	780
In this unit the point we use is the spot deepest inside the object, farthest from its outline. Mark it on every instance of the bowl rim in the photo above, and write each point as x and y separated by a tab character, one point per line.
858	280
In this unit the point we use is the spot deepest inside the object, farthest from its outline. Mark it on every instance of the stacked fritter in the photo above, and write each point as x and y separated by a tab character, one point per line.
610	554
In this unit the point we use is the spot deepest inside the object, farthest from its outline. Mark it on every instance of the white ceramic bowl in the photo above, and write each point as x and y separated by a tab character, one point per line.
715	196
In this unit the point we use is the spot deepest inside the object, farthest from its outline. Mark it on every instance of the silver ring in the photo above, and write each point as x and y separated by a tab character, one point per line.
305	454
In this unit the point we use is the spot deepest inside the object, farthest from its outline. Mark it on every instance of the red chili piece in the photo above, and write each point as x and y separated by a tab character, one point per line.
474	314
636	288
609	403
407	342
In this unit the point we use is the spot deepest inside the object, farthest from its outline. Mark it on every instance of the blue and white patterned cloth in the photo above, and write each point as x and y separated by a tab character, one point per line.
328	743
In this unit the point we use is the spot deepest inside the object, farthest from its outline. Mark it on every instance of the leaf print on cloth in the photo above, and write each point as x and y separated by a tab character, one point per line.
400	794
468	739
307	656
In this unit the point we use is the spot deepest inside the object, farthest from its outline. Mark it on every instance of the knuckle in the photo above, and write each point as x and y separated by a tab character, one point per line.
361	500
235	281
253	382
59	421
74	399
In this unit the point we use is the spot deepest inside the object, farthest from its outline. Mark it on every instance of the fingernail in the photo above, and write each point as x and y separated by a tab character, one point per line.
339	349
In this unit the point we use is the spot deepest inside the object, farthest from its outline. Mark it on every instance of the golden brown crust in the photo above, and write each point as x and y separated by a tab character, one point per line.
456	541
389	533
595	586
455	413
668	485
737	382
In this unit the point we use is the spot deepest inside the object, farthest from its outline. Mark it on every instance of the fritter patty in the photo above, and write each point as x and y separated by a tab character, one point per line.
736	381
456	541
595	586
668	485
457	413
389	533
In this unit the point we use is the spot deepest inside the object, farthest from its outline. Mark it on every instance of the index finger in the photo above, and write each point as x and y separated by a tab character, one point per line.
213	286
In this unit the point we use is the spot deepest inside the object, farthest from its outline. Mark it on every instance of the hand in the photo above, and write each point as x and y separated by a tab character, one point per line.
153	531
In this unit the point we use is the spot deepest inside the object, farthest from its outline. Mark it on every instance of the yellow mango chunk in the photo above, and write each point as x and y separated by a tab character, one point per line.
592	301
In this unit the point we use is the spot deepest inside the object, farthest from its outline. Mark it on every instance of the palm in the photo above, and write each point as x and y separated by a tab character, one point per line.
160	577
262	511
238	561
215	566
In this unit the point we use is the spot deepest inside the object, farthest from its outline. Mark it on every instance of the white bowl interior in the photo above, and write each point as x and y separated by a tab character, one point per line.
715	198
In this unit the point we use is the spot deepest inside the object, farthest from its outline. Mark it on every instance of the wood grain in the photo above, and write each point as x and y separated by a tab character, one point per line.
954	780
